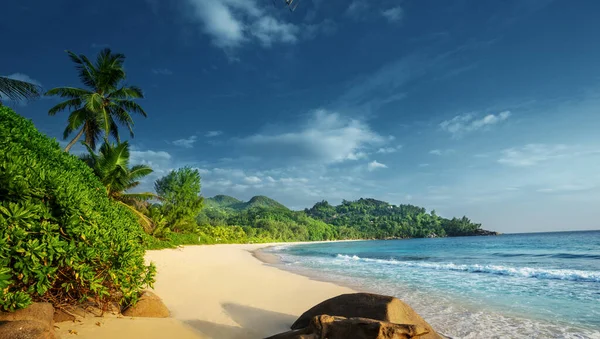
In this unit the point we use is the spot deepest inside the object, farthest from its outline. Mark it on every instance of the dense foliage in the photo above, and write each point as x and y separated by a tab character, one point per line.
378	219
61	238
181	201
361	219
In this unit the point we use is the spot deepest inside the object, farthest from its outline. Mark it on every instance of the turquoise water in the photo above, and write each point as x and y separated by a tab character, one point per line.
542	285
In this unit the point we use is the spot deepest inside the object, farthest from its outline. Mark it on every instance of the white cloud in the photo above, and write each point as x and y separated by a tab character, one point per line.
212	134
231	23
441	152
252	180
268	30
357	8
373	165
386	150
566	188
162	71
327	137
393	14
186	143
532	154
462	124
357	156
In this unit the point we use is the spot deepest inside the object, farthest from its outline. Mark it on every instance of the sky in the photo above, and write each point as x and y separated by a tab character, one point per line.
489	109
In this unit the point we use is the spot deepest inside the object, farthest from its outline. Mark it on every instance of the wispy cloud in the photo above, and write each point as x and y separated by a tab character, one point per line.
212	134
387	150
373	165
357	8
326	137
532	154
462	124
393	14
186	142
441	152
162	71
566	188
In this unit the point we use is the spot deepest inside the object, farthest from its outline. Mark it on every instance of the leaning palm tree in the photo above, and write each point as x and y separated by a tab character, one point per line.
111	166
17	90
104	102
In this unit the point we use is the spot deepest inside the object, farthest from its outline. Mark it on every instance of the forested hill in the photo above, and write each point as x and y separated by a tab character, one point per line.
380	219
231	203
263	218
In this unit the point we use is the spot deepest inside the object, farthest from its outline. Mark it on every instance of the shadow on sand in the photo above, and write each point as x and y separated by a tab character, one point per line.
254	323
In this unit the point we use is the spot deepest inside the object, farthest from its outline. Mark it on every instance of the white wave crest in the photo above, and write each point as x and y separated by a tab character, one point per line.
525	272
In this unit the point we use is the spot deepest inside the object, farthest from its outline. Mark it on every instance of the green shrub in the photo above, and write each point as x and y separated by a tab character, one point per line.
61	239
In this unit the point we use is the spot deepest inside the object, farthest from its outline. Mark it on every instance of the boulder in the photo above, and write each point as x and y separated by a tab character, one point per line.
149	305
61	316
367	305
26	329
41	312
325	326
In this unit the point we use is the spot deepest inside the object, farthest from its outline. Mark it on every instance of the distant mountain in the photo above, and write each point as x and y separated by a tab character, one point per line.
230	203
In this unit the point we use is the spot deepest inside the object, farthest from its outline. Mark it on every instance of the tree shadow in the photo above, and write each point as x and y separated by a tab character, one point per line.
254	323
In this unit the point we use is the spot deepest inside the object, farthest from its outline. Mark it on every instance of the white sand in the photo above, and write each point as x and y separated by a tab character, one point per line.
218	291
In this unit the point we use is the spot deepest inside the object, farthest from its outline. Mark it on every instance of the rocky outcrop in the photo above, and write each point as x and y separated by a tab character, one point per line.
480	232
33	322
149	305
366	305
325	326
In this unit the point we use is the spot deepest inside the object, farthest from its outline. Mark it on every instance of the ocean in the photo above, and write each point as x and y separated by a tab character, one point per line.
537	285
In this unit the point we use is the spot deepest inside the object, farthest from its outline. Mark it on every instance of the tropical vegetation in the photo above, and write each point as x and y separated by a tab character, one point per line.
105	103
62	238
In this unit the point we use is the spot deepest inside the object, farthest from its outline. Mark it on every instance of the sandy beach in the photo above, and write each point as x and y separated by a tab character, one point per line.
218	291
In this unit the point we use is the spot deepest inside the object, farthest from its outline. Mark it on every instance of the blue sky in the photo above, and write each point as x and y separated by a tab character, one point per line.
482	108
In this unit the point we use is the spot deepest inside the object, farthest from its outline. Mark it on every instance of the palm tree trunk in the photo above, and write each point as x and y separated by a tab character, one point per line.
74	140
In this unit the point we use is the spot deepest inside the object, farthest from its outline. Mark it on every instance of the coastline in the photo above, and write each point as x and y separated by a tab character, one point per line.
216	291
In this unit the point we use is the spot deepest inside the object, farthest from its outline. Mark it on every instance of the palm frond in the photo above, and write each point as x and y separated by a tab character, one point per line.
68	92
130	92
139	171
17	90
76	119
144	221
74	103
87	73
132	106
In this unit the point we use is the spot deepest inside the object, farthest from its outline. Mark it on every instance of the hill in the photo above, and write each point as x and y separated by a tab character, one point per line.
226	202
263	218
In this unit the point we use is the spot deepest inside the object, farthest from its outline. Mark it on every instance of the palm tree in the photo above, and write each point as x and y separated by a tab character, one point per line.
111	166
16	90
103	103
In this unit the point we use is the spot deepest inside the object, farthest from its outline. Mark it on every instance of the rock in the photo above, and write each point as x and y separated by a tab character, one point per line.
26	329
481	232
149	305
366	305
325	326
61	316
41	312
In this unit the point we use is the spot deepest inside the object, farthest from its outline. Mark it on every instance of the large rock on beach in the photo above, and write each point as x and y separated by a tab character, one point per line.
366	305
33	322
326	326
149	305
41	312
26	329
